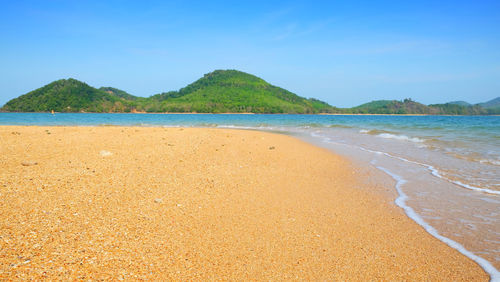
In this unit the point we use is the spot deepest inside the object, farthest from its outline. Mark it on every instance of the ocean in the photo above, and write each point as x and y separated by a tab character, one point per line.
446	169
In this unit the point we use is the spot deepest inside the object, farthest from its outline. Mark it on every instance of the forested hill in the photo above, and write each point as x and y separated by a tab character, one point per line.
221	91
119	93
235	92
409	106
64	95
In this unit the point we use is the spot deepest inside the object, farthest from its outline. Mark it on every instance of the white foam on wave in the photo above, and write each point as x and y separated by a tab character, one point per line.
401	202
400	137
435	172
260	127
365	131
489	161
324	139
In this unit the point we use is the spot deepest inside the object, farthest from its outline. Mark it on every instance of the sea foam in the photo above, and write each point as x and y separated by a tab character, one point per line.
435	172
401	137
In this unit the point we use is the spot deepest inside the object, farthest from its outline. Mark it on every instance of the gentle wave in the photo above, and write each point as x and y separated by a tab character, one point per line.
312	125
489	161
401	137
434	171
373	131
339	126
264	128
388	135
453	148
473	157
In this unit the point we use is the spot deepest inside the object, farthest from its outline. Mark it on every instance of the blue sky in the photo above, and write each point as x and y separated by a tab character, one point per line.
341	52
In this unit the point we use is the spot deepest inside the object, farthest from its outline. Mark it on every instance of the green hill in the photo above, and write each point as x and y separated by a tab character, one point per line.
119	93
409	106
460	103
495	103
65	95
220	91
234	91
456	109
371	107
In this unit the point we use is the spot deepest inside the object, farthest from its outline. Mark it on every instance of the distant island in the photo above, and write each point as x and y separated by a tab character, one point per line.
221	91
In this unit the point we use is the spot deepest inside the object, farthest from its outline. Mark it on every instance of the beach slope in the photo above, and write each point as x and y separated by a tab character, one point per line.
200	204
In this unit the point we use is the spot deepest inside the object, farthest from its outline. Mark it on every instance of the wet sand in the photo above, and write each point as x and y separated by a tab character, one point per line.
198	204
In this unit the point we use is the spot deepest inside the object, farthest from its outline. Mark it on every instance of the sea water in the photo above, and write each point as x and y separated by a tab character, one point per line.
446	168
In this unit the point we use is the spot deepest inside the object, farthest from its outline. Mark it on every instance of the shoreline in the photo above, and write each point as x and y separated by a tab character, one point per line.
234	170
194	113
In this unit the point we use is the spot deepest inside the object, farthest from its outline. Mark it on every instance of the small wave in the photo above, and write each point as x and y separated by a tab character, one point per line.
259	127
372	131
207	124
471	157
389	135
401	202
237	126
312	125
401	137
489	161
434	171
339	126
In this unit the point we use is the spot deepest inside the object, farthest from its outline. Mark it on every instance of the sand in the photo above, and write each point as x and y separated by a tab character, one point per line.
199	204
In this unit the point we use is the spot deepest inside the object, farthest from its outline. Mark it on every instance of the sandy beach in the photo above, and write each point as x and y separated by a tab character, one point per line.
199	204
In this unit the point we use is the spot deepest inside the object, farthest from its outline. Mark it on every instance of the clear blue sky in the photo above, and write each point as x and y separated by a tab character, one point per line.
342	52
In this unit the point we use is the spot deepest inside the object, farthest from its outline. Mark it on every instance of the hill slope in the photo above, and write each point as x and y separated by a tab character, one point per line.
409	106
119	93
460	103
495	103
234	91
65	95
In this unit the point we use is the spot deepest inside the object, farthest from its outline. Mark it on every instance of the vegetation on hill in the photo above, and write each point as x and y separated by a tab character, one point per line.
493	105
65	95
372	107
235	92
409	106
221	91
461	103
454	109
119	93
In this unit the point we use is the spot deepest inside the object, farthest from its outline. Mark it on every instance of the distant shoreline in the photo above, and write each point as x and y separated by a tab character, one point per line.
183	113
